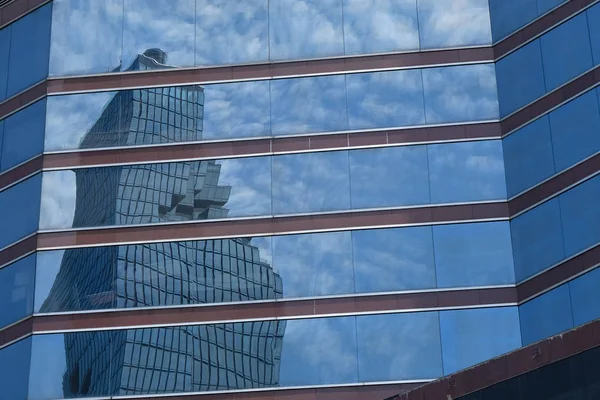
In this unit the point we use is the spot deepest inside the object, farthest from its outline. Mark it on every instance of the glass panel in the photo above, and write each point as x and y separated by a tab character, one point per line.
467	171
393	176
546	315
315	264
585	297
16	290
5	34
385	99
510	15
1	139
87	36
528	156
235	110
375	26
305	105
153	193
519	76
23	219
566	52
580	214
546	5
593	16
537	239
29	50
393	259
399	347
574	130
169	40
14	369
23	135
230	32
473	254
460	93
451	23
473	336
307	182
305	29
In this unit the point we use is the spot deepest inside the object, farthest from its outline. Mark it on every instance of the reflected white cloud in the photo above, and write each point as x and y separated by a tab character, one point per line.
250	181
58	199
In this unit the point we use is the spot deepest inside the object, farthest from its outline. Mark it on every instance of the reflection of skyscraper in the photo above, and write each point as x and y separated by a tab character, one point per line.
196	358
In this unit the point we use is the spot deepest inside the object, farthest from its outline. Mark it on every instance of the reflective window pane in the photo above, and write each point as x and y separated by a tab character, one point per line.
23	135
170	33
537	239
393	259
460	93
14	369
5	35
375	26
314	264
585	297
385	99
305	105
23	219
510	15
593	15
473	336
473	254
566	51
16	290
311	182
305	29
546	5
152	193
393	176
87	36
467	171
528	156
451	23
546	315
230	32
399	347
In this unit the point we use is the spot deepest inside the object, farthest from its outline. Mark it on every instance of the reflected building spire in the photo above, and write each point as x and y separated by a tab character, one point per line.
161	360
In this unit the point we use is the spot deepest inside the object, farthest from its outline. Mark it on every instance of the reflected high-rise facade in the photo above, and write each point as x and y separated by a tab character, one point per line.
162	360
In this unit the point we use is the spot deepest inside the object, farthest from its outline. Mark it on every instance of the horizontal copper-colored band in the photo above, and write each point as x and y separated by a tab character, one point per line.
539	26
20	172
273	225
18	250
518	362
17	9
276	309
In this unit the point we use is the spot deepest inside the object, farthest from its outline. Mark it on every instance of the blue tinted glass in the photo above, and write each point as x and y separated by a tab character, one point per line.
566	52
14	369
319	351
87	36
23	135
580	215
537	239
460	93
375	26
528	156
394	176
229	32
51	366
29	50
473	336
519	76
4	54
307	182
305	28
399	347
385	99
393	259
235	110
314	265
593	15
547	5
473	254
23	219
585	297
451	23
16	290
1	138
152	193
303	105
510	15
575	130
468	171
546	315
